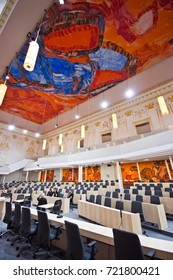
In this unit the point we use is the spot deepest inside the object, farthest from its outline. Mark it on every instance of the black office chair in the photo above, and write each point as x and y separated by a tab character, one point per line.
26	231
158	192
134	191
139	197
27	201
115	194
76	248
168	189
127	196
126	191
119	205
148	192
139	187
16	222
20	197
99	199
154	199
7	218
57	208
108	194
107	202
171	194
136	207
128	247
92	198
45	234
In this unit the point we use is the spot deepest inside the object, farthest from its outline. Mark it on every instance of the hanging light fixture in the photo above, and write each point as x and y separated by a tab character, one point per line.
31	56
83	131
44	145
3	87
62	149
32	53
162	105
60	138
114	120
78	144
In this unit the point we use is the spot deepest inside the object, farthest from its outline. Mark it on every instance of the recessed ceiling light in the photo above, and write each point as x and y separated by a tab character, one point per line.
25	131
37	134
104	104
129	93
77	117
61	2
11	127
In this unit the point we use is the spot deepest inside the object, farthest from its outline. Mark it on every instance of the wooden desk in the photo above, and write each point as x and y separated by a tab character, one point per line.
2	207
110	217
51	199
104	235
18	200
46	206
152	213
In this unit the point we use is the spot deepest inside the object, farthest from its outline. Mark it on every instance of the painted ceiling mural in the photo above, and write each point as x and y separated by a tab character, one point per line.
86	47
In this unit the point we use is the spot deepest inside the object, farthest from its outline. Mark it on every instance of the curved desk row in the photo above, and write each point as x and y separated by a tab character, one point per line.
104	236
110	217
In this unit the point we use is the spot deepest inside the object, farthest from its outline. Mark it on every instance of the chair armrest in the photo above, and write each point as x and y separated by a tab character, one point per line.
150	254
91	243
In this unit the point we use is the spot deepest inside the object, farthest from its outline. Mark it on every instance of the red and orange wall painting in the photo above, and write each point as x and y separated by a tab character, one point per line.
42	175
67	175
75	175
93	173
150	170
129	172
153	170
49	175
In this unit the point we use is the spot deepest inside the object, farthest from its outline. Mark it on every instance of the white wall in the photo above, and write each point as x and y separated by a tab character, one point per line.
14	176
108	172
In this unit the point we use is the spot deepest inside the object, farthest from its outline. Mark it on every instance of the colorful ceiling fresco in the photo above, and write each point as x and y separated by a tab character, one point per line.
86	47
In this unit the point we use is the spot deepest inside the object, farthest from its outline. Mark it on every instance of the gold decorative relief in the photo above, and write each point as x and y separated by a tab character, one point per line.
105	124
66	135
14	136
75	132
30	151
97	123
86	127
128	113
4	146
139	114
171	98
50	140
150	106
26	139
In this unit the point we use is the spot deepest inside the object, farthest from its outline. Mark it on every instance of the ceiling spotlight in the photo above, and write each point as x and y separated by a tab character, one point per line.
25	131
11	127
56	125
77	117
37	134
129	93
104	104
61	2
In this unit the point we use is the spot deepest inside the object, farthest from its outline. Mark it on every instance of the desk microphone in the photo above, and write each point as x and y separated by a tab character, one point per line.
121	214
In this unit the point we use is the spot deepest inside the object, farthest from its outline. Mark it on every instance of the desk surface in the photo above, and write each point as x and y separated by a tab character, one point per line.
46	206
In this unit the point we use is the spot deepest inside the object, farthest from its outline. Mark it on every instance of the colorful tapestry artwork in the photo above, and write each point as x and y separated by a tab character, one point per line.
86	47
50	176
